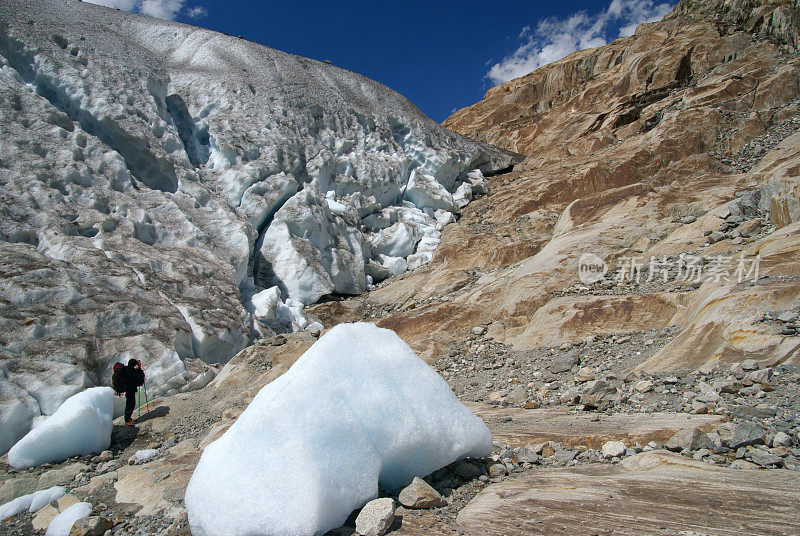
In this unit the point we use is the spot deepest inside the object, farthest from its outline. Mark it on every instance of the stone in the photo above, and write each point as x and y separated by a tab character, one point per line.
781	439
764	458
584	374
103	457
613	449
17	487
376	517
683	440
760	376
745	434
787	316
751	390
63	475
563	364
43	517
91	526
478	330
496	470
644	386
467	470
749	364
751	412
743	465
420	495
66	501
715	237
565	456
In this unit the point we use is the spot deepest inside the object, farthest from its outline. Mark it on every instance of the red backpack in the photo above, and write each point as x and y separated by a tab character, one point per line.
117	379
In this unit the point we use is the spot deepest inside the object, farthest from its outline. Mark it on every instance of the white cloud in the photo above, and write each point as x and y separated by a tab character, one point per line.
125	5
197	12
555	38
162	9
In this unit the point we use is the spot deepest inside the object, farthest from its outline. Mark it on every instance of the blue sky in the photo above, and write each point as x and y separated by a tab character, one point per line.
441	55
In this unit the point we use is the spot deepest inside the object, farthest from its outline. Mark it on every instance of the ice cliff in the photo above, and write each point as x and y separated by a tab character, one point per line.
169	193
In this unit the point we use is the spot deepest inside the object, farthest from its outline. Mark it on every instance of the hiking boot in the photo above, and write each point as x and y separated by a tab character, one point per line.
129	423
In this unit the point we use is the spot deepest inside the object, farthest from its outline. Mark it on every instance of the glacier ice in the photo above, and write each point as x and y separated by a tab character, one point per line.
42	498
359	409
32	501
81	425
157	177
61	525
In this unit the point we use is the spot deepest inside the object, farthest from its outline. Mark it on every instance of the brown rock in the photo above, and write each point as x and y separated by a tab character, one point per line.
91	526
419	494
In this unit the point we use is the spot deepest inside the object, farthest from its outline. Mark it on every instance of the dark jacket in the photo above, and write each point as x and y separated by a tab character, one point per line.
133	378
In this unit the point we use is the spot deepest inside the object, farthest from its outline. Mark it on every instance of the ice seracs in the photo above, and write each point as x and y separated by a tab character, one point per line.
81	425
360	409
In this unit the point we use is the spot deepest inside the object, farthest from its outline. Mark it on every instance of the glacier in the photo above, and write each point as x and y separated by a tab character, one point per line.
81	425
357	411
171	194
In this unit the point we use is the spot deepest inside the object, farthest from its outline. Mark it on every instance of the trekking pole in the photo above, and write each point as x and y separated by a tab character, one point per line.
146	400
139	403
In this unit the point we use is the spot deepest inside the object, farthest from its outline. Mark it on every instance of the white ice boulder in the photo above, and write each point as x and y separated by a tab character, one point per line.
61	525
359	409
81	425
265	304
399	240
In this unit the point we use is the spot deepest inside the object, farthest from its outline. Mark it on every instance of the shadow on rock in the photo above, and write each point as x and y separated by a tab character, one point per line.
155	413
123	436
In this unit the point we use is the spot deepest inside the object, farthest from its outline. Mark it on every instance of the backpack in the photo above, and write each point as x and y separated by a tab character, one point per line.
118	378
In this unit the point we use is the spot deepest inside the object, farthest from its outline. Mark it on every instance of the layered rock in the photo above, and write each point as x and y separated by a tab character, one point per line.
157	177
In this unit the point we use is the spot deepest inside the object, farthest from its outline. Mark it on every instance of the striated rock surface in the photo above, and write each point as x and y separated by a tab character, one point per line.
158	179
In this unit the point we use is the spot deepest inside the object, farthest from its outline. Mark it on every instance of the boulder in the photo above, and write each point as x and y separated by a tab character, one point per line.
376	517
613	449
745	434
91	526
419	495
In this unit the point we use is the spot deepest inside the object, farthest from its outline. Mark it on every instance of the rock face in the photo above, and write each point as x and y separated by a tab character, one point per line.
155	178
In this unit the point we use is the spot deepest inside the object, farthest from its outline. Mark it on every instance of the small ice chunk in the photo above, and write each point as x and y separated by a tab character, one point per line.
360	409
15	506
42	498
81	425
145	455
426	192
396	265
61	525
463	195
399	240
418	259
478	182
443	218
265	304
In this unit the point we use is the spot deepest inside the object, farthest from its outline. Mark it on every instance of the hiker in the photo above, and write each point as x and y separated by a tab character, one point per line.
127	380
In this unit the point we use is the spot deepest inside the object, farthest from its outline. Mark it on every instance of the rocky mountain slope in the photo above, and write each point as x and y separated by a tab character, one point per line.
655	400
171	194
